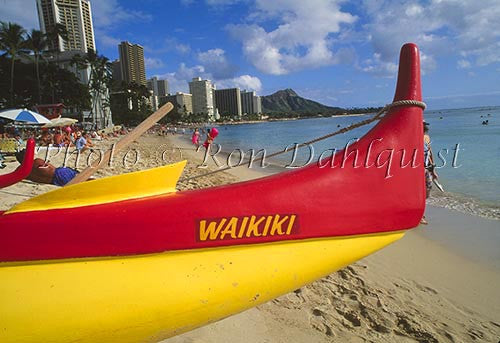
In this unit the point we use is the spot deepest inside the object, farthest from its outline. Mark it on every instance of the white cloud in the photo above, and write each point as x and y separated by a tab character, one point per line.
21	12
182	48
153	63
179	79
167	45
187	2
216	63
439	27
107	13
106	40
221	2
248	82
463	64
427	62
302	40
378	67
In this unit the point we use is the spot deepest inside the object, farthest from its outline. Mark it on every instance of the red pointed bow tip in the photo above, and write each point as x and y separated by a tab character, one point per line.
409	86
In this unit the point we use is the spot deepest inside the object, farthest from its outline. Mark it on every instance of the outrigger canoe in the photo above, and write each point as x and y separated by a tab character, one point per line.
129	259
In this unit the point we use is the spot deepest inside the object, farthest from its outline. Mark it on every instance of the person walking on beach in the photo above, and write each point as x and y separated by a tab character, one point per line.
430	172
210	137
195	138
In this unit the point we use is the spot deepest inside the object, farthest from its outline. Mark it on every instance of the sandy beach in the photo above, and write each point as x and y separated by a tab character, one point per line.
437	284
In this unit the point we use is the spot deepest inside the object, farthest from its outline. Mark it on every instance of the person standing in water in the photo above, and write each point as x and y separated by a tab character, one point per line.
430	171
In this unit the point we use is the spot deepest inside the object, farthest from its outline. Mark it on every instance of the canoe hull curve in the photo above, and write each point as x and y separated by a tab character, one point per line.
151	297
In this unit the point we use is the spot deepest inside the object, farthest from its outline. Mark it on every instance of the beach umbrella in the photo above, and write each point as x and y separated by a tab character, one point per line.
59	122
24	115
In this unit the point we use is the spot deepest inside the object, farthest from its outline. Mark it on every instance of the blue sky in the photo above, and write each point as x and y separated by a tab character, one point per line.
340	53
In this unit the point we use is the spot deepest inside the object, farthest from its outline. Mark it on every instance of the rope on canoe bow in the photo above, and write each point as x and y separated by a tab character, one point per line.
377	116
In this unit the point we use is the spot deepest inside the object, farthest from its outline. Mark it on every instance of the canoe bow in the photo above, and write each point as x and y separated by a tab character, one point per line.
143	268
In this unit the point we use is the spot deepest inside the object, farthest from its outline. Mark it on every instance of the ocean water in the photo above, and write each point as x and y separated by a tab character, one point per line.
472	184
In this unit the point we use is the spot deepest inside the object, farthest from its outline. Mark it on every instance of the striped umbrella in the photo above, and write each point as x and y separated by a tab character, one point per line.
24	115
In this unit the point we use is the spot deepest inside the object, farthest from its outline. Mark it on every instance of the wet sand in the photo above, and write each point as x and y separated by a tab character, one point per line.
437	284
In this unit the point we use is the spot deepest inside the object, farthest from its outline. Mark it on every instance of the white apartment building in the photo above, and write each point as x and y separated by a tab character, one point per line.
250	103
203	92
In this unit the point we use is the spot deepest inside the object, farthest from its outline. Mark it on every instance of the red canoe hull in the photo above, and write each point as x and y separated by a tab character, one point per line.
305	203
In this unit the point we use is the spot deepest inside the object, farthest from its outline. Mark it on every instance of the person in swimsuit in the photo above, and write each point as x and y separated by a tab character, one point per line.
210	137
44	172
430	171
195	138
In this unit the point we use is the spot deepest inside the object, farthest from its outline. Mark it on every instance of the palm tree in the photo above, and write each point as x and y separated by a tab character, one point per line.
37	43
12	41
99	81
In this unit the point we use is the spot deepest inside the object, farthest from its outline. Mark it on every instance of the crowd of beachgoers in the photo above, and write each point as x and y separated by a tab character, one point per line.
68	136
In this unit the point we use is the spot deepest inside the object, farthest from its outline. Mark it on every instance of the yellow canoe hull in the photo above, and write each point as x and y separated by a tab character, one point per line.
151	297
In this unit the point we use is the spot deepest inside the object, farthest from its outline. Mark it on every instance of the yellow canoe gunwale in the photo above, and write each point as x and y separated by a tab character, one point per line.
161	295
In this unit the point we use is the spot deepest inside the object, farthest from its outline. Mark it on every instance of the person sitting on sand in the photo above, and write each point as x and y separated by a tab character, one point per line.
82	142
17	137
66	139
58	139
95	136
46	138
88	137
44	172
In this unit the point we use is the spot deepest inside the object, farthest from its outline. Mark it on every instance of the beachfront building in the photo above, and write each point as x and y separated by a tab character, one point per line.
75	16
158	89
132	66
116	70
228	102
250	103
158	86
203	92
183	102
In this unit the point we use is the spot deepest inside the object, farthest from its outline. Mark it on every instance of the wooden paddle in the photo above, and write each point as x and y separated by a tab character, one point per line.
122	143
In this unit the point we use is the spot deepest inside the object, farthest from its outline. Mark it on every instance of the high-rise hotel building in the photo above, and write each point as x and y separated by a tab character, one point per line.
203	92
132	63
250	103
228	101
158	86
75	16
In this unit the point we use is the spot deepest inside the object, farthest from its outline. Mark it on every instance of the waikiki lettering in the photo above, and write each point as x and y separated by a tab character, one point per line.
246	227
